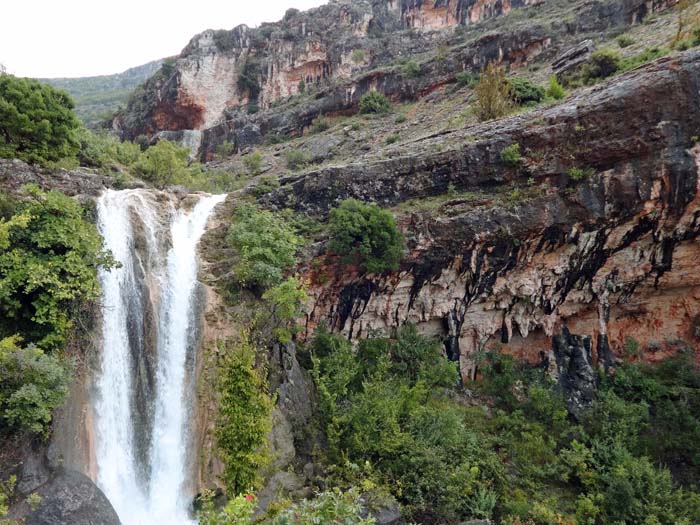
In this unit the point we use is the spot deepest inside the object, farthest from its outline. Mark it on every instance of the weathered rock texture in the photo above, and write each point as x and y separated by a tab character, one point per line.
611	257
336	53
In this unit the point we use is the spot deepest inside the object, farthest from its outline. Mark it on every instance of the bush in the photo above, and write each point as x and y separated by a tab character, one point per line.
511	157
554	89
525	92
104	151
286	300
297	159
245	408
601	64
265	247
375	102
265	185
411	69
466	79
625	41
49	256
358	56
493	93
253	163
366	235
32	385
38	124
164	164
320	124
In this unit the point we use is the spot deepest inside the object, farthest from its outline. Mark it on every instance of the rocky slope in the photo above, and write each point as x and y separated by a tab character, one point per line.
241	85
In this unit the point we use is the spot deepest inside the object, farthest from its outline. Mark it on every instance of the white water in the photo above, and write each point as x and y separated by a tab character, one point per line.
164	273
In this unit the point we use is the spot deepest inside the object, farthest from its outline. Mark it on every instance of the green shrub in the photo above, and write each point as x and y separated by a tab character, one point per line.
601	64
286	300
467	79
524	92
265	247
358	56
244	419
164	164
266	185
393	138
32	385
38	123
375	102
49	256
511	157
493	93
320	124
297	159
253	163
366	235
411	69
625	41
578	174
554	89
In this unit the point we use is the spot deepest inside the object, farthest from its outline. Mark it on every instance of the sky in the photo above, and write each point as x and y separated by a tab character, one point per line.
77	38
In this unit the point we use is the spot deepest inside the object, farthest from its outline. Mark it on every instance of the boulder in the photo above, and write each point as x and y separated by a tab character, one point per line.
71	498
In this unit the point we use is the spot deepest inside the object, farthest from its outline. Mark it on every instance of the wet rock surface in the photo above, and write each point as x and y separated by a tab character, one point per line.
71	497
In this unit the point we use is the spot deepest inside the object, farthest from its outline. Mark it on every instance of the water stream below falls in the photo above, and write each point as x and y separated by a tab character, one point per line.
143	398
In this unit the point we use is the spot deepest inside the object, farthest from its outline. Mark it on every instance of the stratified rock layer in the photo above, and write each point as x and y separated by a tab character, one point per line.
612	256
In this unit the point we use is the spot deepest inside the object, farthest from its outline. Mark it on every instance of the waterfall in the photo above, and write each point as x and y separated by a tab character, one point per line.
144	389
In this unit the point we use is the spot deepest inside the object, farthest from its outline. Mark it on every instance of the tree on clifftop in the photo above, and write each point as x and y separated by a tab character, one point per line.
37	123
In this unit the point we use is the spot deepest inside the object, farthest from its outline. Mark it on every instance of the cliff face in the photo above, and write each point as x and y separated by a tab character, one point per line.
528	252
239	85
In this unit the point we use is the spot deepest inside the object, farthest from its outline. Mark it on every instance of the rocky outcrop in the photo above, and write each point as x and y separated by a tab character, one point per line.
14	174
71	497
339	51
530	251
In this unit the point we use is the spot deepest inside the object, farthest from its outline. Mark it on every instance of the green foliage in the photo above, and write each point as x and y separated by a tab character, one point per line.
266	185
297	159
358	56
601	64
7	488
374	102
99	149
393	138
320	124
249	79
286	300
411	69
38	123
554	89
265	247
510	155
525	92
32	384
49	256
493	93
253	163
578	174
346	508
467	79
624	41
164	164
366	235
245	408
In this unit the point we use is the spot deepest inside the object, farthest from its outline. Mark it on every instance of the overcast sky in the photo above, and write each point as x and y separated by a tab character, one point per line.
76	38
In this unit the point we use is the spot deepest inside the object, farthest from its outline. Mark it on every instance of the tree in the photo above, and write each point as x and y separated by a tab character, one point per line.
244	416
37	121
265	247
374	102
164	164
493	93
49	256
366	235
32	384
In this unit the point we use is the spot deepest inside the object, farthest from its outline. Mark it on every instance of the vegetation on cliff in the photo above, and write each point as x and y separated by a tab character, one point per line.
38	123
49	257
391	416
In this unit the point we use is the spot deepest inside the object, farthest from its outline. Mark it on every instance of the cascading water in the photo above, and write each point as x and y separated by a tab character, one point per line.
142	396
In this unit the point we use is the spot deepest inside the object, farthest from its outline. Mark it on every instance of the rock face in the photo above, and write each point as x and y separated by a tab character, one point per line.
610	256
225	83
71	497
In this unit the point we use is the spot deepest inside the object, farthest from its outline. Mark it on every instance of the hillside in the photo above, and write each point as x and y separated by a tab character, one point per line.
97	98
452	280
